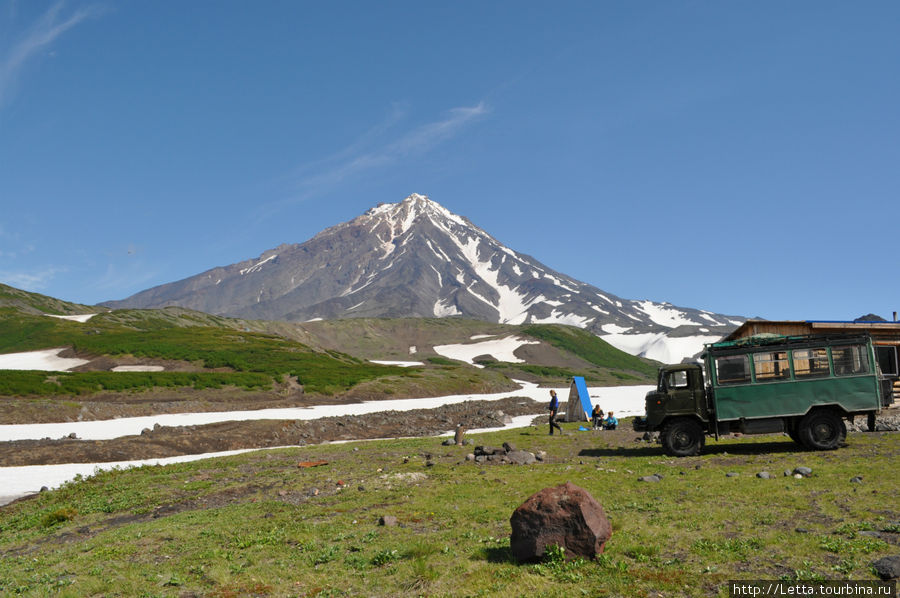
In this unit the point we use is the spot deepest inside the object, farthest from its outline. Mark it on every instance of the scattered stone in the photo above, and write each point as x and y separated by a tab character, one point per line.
803	530
449	442
798	476
541	455
145	431
788	473
313	492
888	567
156	427
566	516
731	474
804	471
508	447
856	480
73	436
520	457
45	489
765	475
650	478
470	457
387	521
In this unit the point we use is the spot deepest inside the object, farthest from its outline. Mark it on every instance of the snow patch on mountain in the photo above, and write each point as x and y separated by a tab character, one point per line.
665	315
256	267
501	349
658	346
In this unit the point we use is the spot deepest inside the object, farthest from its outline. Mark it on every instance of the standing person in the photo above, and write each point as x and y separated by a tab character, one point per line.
597	417
554	409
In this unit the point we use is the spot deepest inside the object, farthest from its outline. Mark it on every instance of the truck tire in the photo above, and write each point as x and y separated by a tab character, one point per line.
682	438
822	430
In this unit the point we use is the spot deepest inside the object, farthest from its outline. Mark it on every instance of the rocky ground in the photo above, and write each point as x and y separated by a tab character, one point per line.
163	441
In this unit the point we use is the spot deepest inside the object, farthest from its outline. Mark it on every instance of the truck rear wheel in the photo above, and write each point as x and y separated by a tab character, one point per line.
682	438
822	430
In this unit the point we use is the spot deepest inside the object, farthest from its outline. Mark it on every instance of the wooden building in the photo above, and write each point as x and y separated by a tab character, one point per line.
885	338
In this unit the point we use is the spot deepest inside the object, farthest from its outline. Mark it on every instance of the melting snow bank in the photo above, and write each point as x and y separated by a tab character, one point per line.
77	318
17	482
46	360
22	481
624	400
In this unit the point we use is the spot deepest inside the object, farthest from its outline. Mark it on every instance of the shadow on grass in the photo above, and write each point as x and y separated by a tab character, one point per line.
712	448
499	555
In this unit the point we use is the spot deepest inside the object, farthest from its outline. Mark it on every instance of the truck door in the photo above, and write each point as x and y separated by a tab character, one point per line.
679	392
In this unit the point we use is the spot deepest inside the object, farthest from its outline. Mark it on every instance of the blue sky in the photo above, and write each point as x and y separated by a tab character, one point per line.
738	157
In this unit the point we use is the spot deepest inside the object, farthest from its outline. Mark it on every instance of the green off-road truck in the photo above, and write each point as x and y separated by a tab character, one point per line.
805	386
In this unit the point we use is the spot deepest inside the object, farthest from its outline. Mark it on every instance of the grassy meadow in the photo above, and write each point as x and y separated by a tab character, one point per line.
259	525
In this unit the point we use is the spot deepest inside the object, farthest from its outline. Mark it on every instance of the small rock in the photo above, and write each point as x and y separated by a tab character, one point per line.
470	457
856	480
650	478
788	473
313	492
73	436
508	447
802	530
145	431
888	567
541	455
731	474
448	442
156	427
388	521
521	457
765	475
45	489
798	476
804	471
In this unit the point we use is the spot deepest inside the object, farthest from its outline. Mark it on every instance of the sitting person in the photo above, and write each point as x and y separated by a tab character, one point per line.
610	422
597	417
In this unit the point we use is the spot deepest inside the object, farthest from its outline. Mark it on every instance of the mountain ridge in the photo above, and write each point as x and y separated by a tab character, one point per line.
415	258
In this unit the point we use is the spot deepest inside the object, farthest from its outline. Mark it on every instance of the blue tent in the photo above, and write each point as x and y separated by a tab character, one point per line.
579	407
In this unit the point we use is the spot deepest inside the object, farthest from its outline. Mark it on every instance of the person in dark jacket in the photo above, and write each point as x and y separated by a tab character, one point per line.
554	409
597	417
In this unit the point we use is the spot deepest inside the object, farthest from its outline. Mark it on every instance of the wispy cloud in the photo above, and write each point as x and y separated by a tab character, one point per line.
30	281
41	34
378	148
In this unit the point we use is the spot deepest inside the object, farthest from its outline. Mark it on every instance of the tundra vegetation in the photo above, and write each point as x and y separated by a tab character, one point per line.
257	524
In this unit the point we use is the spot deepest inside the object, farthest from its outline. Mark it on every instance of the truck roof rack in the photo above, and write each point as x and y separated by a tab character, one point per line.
768	340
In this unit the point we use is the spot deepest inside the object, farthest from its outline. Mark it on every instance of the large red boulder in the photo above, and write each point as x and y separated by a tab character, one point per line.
566	516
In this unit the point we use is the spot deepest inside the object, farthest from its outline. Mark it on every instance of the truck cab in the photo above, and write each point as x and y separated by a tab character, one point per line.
678	409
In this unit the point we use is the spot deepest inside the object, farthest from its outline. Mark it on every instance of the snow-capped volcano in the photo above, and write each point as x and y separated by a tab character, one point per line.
415	258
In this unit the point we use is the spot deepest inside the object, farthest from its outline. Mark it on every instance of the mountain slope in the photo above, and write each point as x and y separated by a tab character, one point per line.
417	259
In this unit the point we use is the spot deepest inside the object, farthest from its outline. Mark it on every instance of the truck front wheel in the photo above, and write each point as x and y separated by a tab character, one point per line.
821	430
682	438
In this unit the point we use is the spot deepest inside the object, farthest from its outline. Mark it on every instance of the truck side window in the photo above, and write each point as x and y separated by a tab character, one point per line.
850	360
733	369
811	363
677	379
771	366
